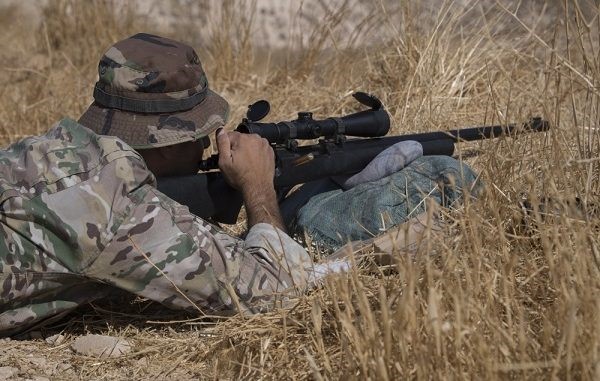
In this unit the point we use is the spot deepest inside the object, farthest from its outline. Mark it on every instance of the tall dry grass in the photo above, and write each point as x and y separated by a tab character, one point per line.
498	294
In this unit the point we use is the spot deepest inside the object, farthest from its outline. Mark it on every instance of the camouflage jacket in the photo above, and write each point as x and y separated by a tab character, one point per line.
80	215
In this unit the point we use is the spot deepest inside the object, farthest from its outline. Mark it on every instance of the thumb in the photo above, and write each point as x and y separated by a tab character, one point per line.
224	146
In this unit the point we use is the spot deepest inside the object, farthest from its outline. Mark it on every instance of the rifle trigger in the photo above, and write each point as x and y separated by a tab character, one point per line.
304	159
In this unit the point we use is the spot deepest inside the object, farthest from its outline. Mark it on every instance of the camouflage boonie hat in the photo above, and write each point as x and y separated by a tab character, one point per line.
153	92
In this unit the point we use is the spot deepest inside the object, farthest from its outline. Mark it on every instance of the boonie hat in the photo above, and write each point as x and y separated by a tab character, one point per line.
152	92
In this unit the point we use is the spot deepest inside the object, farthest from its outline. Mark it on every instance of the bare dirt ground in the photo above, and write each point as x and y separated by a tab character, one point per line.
497	295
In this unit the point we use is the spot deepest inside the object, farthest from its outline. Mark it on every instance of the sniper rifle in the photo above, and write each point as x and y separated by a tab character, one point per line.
208	195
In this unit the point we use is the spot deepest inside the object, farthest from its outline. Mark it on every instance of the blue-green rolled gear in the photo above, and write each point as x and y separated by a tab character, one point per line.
333	218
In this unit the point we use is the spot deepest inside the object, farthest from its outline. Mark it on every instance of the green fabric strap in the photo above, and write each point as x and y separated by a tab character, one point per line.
147	105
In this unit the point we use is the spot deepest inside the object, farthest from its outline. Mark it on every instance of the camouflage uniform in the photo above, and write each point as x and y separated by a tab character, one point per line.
80	215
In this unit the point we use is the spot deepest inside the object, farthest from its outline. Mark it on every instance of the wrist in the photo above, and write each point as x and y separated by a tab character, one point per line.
261	205
258	193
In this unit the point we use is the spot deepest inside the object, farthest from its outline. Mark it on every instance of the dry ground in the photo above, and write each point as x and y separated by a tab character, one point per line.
495	296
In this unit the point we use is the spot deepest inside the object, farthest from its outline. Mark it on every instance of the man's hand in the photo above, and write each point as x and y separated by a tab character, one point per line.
247	162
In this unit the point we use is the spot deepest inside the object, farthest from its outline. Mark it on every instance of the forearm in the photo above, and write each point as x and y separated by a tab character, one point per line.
248	164
262	207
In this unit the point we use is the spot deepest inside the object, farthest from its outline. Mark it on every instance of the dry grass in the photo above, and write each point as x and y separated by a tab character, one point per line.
495	296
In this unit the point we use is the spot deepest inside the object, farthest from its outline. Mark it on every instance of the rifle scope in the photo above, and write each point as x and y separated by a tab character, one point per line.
367	123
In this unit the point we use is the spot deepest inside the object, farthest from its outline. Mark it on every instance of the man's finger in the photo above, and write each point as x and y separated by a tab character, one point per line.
234	139
223	145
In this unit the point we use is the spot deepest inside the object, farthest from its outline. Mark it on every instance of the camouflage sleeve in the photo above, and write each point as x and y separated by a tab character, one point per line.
163	252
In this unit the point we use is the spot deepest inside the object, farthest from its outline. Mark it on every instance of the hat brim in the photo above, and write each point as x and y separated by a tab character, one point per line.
142	131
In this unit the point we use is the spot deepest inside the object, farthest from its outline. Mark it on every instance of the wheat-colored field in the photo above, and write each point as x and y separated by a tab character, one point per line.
498	294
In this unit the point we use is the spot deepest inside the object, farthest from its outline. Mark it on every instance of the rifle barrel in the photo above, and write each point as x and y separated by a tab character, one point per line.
480	133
